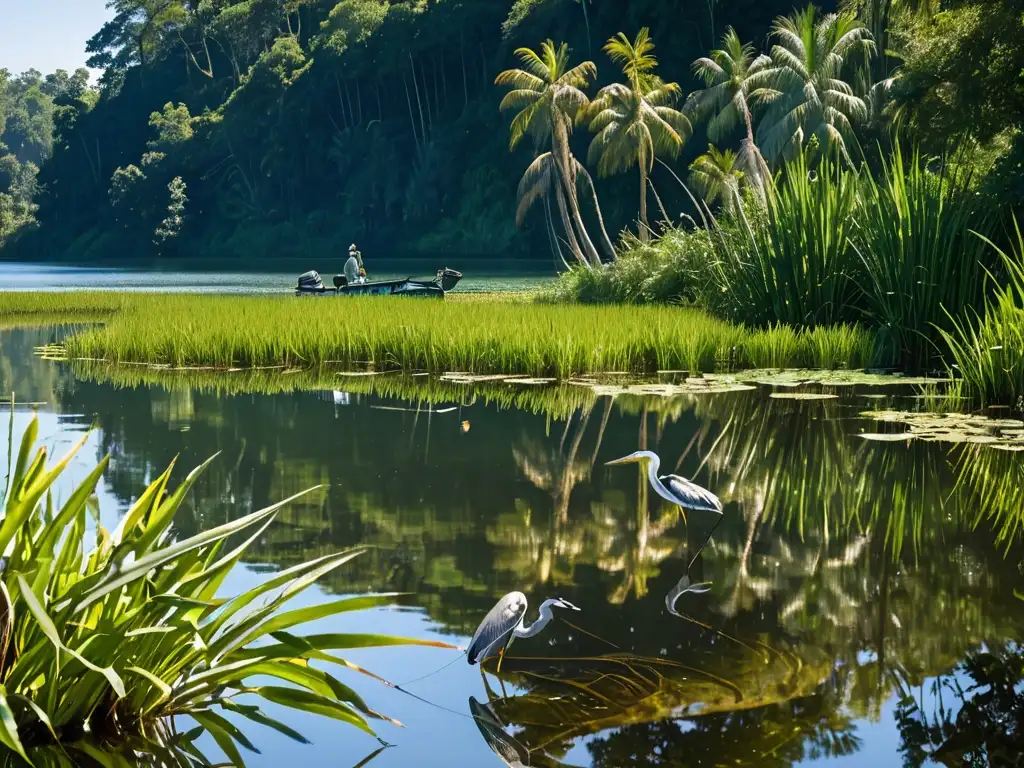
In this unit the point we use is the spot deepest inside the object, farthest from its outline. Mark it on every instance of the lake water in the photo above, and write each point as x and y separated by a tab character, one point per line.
863	609
273	279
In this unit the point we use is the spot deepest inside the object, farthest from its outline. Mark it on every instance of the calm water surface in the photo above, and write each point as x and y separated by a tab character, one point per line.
862	612
50	277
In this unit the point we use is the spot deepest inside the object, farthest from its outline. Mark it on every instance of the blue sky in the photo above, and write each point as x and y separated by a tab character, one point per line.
48	34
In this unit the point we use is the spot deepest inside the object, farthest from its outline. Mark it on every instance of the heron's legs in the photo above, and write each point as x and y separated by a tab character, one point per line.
501	658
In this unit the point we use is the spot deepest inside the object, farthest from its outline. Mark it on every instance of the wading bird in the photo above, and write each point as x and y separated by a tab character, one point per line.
676	489
504	623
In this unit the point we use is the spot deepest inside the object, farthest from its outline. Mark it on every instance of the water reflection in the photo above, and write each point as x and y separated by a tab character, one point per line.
860	593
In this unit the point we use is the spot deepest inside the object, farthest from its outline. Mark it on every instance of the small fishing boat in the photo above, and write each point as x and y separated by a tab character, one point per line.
310	284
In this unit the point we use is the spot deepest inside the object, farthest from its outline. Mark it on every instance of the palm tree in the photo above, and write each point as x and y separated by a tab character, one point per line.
804	90
549	99
715	175
636	122
731	73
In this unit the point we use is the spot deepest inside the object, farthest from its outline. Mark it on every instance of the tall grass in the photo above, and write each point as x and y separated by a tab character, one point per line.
797	266
915	235
988	349
106	636
392	334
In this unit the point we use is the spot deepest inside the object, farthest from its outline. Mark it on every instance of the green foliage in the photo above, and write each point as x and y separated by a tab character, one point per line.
798	265
108	635
988	349
171	225
636	123
716	178
924	263
804	91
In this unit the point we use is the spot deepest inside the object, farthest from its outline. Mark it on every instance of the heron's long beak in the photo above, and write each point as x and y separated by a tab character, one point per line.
623	460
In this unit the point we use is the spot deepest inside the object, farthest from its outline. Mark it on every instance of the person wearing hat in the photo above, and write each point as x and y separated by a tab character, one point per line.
354	266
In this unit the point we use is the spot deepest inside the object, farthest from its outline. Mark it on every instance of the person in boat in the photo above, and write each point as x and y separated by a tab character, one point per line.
354	271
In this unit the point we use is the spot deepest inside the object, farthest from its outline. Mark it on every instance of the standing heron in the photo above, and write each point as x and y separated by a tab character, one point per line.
678	490
504	623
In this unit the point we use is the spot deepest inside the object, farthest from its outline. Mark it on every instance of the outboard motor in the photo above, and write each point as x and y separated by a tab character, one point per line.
340	281
447	279
311	282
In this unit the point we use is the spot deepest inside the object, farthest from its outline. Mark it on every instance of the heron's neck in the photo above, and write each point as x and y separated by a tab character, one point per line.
546	615
653	465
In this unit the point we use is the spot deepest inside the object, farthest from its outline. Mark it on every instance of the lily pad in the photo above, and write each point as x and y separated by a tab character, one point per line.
802	396
887	437
531	382
800	377
955	427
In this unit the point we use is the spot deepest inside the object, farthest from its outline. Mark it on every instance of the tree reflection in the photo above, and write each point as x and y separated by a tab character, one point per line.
845	575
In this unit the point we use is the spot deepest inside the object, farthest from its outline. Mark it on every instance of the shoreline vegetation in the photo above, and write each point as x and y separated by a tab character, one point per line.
107	637
478	337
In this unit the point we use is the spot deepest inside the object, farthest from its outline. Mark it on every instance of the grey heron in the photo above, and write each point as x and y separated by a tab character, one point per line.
678	490
504	623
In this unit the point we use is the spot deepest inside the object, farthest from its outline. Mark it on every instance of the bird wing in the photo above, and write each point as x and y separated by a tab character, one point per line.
496	627
691	495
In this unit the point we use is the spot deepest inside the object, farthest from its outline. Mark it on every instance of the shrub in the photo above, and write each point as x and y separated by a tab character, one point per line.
105	637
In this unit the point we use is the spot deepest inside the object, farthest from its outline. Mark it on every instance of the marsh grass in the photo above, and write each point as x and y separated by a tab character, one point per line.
480	337
107	636
923	261
988	349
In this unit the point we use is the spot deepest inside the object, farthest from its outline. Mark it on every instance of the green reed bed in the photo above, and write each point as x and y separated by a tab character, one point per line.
386	333
989	352
61	304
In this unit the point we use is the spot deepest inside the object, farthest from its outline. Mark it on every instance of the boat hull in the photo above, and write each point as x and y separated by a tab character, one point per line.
380	288
310	284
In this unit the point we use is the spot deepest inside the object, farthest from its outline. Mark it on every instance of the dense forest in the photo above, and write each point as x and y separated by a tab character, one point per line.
285	128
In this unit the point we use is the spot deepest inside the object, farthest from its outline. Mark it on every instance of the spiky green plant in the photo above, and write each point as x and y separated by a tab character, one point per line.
797	266
988	349
914	235
107	636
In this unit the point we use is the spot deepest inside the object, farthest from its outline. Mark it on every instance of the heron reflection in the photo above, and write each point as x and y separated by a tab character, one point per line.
509	749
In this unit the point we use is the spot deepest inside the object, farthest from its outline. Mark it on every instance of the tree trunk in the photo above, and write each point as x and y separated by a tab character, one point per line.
419	102
465	77
645	229
412	116
556	249
567	180
574	246
606	241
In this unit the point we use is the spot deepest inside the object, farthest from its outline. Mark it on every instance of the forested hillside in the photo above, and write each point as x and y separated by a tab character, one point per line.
262	128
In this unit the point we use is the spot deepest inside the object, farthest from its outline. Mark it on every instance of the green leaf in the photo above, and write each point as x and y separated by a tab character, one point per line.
161	557
9	728
258	716
304	701
50	630
222	737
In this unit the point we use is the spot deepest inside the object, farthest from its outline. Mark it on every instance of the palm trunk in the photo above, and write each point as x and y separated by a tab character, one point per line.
645	228
606	241
574	246
562	158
